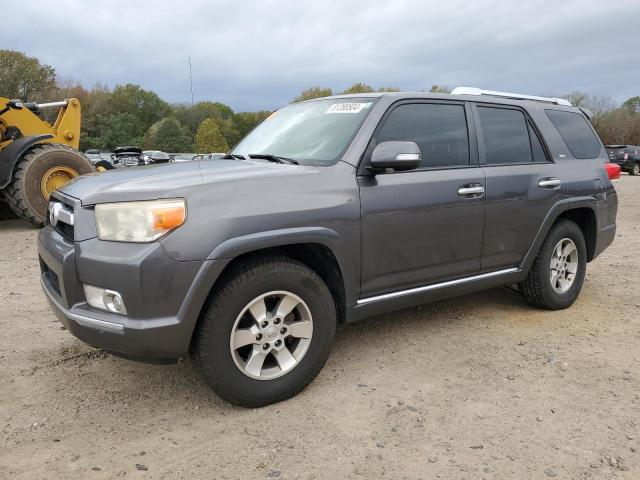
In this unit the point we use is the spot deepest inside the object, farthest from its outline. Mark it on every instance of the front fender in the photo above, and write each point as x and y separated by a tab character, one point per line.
327	237
11	153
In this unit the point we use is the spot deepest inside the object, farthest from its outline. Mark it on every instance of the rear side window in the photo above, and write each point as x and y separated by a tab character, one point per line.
440	131
576	133
506	136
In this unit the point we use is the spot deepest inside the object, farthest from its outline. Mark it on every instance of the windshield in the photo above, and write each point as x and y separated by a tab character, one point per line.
313	133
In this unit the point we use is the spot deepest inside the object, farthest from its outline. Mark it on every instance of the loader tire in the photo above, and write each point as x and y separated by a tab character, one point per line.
41	170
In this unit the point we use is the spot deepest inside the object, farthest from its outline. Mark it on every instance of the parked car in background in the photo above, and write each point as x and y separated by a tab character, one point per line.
127	157
155	156
334	210
627	156
93	155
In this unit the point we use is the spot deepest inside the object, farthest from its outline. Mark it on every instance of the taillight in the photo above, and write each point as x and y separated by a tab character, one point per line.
613	171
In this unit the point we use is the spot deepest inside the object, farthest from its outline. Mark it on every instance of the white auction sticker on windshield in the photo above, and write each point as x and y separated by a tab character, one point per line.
347	107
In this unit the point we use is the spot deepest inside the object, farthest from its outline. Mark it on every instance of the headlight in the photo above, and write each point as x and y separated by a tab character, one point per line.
139	221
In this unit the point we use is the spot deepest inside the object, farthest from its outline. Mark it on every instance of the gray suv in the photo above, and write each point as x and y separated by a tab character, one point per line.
330	211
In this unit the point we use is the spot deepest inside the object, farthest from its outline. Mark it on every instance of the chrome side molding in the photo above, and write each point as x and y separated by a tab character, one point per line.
435	286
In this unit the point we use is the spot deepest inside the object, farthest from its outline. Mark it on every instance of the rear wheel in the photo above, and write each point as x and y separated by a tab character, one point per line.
42	170
635	169
265	333
557	274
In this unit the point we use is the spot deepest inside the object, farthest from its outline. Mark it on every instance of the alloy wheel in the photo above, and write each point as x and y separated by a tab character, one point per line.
271	335
563	266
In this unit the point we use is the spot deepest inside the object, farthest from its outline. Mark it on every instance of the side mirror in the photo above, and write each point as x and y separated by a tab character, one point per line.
399	156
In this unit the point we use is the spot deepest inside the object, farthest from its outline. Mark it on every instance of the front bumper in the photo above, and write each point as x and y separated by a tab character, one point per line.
163	296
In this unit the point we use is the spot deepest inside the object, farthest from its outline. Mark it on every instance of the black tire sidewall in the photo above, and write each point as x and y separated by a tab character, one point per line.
42	159
565	229
228	377
635	169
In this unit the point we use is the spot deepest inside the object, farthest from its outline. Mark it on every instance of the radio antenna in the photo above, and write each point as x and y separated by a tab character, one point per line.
190	81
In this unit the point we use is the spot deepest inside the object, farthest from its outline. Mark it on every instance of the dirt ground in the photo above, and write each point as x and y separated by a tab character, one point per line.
481	386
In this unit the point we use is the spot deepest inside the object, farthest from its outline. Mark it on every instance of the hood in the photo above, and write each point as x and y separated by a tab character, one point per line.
168	180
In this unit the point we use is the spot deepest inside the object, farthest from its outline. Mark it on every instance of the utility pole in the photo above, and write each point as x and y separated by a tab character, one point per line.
190	81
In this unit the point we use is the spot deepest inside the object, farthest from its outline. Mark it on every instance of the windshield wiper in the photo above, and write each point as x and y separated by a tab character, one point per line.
233	156
273	158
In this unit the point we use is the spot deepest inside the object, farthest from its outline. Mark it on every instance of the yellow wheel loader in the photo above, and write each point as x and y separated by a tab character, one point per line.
36	157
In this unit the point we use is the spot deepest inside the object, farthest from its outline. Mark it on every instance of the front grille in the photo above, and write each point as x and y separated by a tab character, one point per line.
65	230
62	227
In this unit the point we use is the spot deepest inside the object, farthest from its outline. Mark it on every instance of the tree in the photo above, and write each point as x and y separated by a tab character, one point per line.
144	105
439	89
209	139
632	104
25	77
359	88
389	89
193	115
246	121
110	131
169	136
311	93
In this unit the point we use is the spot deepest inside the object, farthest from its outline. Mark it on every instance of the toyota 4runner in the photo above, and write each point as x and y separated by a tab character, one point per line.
330	211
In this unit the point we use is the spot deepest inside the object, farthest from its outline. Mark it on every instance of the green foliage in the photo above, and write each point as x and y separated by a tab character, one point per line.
359	88
110	131
439	89
311	93
632	104
209	138
144	105
246	121
169	136
25	78
193	115
389	89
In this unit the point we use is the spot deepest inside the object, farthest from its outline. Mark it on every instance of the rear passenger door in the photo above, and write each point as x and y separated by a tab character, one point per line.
522	184
421	227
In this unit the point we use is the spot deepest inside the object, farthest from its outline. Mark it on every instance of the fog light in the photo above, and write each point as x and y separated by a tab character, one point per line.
104	299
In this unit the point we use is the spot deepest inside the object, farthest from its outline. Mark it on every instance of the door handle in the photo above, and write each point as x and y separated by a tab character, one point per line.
475	190
551	183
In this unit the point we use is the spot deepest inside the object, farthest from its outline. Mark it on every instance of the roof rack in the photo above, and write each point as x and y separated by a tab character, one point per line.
518	96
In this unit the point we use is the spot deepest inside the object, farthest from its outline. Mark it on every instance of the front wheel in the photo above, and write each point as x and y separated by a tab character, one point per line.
635	169
42	170
557	274
265	333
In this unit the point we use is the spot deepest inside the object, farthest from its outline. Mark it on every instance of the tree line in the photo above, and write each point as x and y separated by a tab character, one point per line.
131	115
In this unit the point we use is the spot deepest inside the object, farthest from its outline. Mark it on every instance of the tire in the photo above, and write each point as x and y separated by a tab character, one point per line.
635	169
24	193
224	369
537	288
103	166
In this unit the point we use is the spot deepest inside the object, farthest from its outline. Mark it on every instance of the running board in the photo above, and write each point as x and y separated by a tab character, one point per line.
435	286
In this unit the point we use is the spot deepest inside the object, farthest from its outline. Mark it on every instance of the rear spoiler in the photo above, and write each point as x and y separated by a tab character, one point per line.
587	112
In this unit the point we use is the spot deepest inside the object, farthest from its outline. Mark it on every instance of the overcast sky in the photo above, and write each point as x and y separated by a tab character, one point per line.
259	54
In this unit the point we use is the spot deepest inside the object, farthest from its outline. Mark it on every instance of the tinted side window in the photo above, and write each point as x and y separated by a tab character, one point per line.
439	130
506	135
576	133
536	146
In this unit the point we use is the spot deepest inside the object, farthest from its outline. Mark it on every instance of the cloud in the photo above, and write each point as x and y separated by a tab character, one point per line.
259	54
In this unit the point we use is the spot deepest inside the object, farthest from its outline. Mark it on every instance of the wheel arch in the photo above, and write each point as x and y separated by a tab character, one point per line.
582	211
317	247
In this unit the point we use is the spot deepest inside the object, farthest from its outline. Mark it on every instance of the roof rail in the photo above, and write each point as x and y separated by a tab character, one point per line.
518	96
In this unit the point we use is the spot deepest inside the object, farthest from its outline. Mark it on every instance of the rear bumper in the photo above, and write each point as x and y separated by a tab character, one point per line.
163	297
